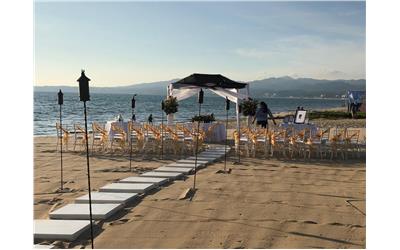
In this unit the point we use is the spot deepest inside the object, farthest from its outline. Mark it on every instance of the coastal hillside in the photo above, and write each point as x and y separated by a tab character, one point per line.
270	87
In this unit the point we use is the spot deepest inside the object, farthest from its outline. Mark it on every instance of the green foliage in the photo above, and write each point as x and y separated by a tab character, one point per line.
203	118
334	115
171	105
249	107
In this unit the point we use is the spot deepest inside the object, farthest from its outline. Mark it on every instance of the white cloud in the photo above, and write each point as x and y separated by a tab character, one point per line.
310	56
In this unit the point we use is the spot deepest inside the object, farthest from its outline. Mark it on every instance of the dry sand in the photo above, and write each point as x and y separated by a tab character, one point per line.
260	204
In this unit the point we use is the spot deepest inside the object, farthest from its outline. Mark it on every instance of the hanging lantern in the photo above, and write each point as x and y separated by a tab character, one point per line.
84	87
201	96
60	98
133	102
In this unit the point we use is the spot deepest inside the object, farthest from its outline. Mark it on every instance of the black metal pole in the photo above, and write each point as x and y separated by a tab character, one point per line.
88	175
130	139
61	150
162	135
197	147
239	140
226	137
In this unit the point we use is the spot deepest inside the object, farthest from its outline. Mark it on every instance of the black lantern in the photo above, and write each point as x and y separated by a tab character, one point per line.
201	96
162	105
60	98
61	102
84	96
133	102
84	87
227	104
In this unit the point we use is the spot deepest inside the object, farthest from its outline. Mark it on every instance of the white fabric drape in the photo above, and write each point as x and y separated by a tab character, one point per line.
182	94
232	94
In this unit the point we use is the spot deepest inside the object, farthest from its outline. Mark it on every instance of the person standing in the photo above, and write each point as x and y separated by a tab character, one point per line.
262	115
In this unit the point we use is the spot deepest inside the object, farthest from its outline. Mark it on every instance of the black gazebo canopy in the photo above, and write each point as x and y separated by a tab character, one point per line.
208	81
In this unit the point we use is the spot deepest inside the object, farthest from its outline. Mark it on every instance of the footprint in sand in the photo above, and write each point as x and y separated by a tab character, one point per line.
345	225
356	226
48	201
119	222
336	224
309	222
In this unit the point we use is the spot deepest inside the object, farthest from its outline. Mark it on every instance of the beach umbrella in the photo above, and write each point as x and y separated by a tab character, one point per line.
227	106
61	102
84	97
133	105
200	101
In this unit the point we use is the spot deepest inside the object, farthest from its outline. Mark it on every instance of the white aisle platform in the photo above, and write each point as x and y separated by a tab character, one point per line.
128	187
207	154
105	198
203	158
185	165
170	175
81	211
40	246
192	161
141	179
174	169
59	229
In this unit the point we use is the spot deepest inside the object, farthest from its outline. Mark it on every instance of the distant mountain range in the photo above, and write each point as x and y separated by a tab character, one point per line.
271	87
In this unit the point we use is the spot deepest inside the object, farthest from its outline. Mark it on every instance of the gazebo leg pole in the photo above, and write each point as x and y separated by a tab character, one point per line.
197	148
238	125
162	135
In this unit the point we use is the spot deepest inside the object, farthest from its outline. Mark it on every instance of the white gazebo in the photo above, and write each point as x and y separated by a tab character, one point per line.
217	83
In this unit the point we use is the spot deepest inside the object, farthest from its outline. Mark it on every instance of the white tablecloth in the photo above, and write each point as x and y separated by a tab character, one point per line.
123	125
218	134
297	127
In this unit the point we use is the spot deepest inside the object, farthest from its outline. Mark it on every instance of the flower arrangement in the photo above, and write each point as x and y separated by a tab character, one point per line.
203	118
249	107
170	105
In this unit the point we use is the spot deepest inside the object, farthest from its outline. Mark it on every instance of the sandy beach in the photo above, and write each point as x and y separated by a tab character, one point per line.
262	203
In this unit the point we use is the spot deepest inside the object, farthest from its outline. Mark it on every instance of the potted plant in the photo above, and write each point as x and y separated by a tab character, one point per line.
249	108
170	107
203	118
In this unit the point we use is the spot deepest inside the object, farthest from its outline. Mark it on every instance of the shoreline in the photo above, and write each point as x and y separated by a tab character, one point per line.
359	122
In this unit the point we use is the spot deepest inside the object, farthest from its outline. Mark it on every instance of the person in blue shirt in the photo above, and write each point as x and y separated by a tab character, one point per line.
262	114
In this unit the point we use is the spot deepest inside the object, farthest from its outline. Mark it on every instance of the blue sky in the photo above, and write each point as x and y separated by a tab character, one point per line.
134	42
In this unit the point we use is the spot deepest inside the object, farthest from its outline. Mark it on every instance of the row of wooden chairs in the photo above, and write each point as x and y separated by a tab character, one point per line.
306	143
146	138
64	135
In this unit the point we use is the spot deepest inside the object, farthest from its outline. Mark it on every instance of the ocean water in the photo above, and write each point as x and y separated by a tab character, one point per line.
105	107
